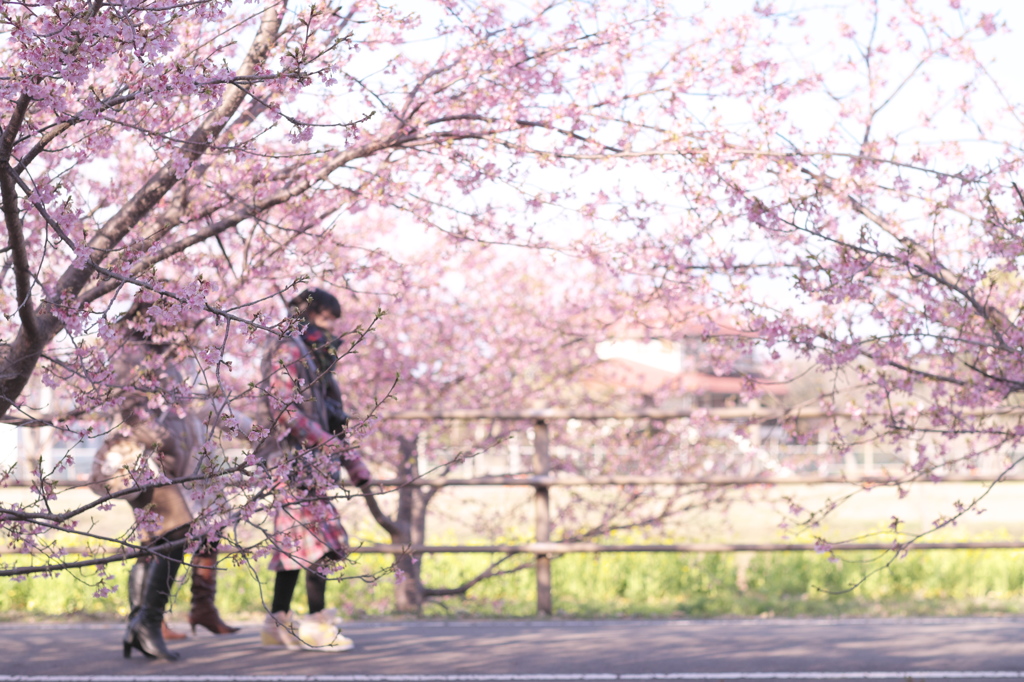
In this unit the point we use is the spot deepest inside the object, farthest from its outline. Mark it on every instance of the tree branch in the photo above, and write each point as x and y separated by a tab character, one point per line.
379	516
23	354
12	220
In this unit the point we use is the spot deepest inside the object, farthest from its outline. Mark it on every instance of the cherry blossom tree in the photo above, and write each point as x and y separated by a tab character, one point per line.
837	183
515	339
206	154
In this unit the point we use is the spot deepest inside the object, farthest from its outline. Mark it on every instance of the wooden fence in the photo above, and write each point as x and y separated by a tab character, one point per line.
542	481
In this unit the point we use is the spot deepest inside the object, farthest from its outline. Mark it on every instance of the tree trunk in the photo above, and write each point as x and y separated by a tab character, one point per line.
411	521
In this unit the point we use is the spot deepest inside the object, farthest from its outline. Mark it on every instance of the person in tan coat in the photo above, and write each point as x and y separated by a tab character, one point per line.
157	436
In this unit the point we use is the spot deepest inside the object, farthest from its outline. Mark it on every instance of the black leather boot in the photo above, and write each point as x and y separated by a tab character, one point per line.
143	631
136	583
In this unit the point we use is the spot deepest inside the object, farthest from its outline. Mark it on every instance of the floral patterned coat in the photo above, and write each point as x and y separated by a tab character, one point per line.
296	388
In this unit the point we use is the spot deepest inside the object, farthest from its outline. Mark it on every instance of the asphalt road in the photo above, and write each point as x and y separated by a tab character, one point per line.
535	651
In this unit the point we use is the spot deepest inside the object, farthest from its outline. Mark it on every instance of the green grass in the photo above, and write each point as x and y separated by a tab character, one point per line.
790	584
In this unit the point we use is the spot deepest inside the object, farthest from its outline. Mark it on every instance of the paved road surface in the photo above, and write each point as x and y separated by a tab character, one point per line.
561	651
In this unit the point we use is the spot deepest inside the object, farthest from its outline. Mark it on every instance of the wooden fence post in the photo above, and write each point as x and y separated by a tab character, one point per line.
542	515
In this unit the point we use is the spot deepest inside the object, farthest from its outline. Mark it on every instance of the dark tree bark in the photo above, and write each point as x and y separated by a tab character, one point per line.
411	521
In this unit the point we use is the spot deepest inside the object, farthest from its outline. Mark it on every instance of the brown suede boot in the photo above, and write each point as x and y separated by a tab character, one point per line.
169	634
204	588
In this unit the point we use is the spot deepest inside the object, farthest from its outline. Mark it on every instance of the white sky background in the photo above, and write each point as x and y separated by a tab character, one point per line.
812	114
1004	50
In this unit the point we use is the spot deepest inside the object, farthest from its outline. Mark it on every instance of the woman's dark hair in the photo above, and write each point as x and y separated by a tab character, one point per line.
314	301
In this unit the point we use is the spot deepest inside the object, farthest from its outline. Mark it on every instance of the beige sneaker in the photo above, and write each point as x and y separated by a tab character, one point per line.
322	632
279	630
331	616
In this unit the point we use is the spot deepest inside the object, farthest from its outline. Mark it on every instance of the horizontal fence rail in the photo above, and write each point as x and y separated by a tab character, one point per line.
556	548
742	412
714	481
562	414
559	548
